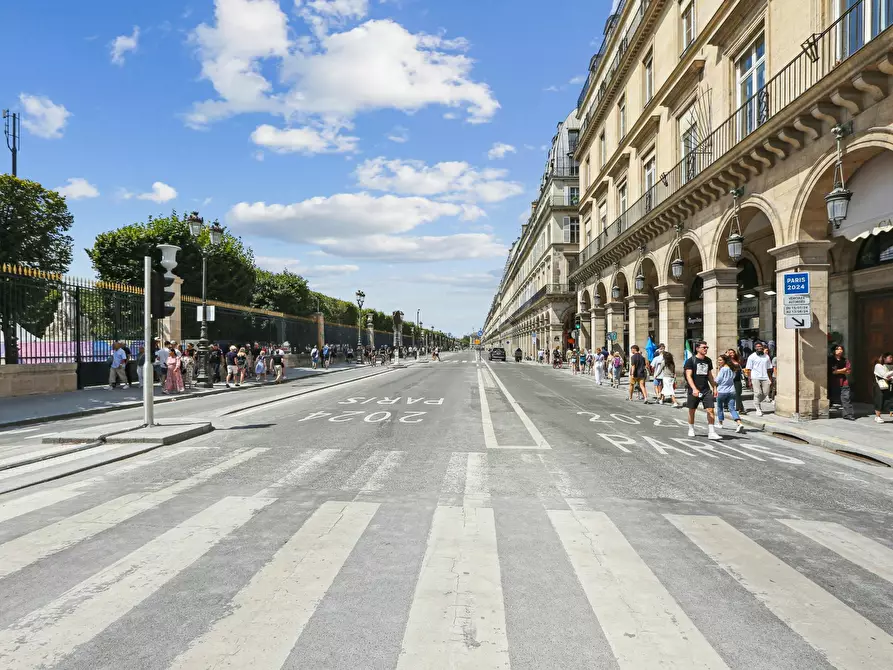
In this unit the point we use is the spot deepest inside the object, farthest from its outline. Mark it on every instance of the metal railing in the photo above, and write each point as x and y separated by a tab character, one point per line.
564	167
548	289
564	200
611	71
822	53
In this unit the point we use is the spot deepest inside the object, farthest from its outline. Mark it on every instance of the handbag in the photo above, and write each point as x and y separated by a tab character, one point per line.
883	384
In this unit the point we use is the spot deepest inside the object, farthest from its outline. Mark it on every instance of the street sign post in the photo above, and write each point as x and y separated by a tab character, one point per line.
797	301
612	336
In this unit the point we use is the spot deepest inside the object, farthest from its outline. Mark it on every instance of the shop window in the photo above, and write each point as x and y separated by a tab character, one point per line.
697	290
747	275
876	250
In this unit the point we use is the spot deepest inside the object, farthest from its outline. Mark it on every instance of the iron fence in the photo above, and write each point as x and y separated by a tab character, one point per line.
822	53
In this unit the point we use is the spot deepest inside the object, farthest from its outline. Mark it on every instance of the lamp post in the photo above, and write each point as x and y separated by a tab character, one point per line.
736	239
361	297
196	226
838	200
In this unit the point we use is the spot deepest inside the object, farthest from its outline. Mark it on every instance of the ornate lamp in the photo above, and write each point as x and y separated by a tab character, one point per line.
838	200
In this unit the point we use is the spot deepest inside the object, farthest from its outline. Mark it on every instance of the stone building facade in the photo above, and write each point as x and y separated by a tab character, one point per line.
703	120
534	305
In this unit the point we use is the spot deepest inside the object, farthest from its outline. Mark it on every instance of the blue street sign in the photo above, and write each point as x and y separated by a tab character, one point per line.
480	333
796	283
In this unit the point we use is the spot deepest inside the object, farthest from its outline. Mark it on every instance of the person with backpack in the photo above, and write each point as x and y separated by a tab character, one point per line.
232	368
326	351
279	366
314	357
616	370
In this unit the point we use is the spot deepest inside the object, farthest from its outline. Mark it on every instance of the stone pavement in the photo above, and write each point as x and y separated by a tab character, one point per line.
862	436
22	410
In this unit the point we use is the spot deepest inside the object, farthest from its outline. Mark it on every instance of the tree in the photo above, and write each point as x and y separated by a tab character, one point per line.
33	226
281	292
117	256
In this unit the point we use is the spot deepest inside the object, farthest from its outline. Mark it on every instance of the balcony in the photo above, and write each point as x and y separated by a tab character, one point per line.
565	201
549	290
770	125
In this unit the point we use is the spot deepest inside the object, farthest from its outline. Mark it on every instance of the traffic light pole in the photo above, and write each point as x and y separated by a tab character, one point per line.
148	369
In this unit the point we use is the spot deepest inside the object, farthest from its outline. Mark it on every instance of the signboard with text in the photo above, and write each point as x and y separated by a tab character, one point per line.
797	301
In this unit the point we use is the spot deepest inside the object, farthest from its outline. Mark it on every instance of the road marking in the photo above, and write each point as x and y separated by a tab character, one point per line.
847	639
51	539
45	636
385	469
451	486
18	431
856	548
486	420
270	612
457	617
304	467
35	501
37	437
560	478
59	460
642	622
538	439
477	481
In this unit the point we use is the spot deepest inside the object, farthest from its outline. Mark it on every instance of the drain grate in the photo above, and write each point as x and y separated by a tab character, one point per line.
861	457
790	438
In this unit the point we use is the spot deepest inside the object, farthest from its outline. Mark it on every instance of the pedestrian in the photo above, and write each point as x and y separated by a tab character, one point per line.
187	365
161	360
117	363
278	365
214	363
599	366
574	360
314	357
232	369
725	392
759	371
701	389
128	373
658	362
616	370
140	362
883	387
668	378
839	370
739	381
174	380
638	372
260	366
242	364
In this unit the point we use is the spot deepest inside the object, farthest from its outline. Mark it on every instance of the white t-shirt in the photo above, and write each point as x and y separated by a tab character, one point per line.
658	360
759	366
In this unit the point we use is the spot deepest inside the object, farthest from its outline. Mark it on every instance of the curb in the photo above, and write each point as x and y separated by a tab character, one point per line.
138	403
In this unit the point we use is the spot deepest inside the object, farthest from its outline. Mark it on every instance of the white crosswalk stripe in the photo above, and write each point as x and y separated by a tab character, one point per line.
458	595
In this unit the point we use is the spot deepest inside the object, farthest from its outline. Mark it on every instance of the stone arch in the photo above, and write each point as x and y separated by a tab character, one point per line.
618	279
585	301
809	220
688	242
755	213
649	268
601	292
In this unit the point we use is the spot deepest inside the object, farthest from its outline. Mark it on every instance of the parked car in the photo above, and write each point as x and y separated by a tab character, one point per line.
497	354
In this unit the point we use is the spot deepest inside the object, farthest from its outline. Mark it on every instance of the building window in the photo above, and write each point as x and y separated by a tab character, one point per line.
688	24
688	135
881	16
650	174
571	230
876	250
602	216
621	198
587	171
649	77
753	98
573	195
572	137
621	115
602	150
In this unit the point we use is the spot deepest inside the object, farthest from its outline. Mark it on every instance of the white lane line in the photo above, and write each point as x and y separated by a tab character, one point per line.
846	638
304	467
383	472
37	454
270	612
477	481
18	431
486	420
35	437
457	617
45	636
538	438
35	501
560	478
51	539
364	472
451	485
642	622
59	460
856	548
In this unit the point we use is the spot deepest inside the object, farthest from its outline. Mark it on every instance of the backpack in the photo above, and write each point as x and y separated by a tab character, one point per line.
618	363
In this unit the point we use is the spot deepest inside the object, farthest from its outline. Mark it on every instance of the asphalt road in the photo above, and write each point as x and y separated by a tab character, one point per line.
452	515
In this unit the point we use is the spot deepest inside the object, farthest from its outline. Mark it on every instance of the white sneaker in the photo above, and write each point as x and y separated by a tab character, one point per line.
739	428
759	412
691	430
878	419
713	435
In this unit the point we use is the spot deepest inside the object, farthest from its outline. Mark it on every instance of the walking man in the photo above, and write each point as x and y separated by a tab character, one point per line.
839	370
638	372
701	389
759	371
116	370
657	363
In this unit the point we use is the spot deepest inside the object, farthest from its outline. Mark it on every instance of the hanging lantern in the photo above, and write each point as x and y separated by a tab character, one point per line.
597	300
677	267
838	200
640	282
615	292
736	245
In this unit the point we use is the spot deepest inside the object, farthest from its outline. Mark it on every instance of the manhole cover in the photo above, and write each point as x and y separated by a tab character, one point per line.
861	457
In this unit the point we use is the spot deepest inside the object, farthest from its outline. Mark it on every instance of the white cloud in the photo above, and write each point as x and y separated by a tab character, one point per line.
342	216
278	263
160	193
78	188
451	180
579	79
43	117
206	201
499	150
331	78
306	140
331	270
408	249
123	44
399	134
483	280
552	89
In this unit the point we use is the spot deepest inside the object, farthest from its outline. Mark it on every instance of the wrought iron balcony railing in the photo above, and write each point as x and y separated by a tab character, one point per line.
822	53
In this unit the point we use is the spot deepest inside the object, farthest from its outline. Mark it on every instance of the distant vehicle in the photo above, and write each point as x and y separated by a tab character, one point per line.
497	354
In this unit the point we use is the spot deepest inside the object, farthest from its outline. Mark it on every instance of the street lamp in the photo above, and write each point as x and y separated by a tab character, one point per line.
196	226
361	297
838	200
736	239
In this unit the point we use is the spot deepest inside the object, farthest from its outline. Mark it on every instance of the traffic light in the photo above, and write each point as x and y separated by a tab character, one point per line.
578	323
162	294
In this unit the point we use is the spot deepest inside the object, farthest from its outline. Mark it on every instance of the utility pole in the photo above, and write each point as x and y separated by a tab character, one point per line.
13	131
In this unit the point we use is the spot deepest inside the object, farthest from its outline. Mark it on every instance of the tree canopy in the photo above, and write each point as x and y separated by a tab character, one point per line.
117	256
33	226
281	292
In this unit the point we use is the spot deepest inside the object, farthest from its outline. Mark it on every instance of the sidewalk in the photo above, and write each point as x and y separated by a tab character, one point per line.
862	436
23	410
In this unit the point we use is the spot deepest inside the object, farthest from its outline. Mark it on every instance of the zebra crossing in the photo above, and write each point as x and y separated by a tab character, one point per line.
461	588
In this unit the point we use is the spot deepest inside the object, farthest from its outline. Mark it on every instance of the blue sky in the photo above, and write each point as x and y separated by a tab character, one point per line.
388	145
